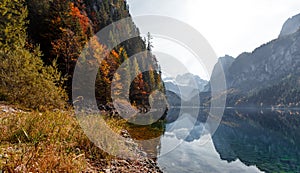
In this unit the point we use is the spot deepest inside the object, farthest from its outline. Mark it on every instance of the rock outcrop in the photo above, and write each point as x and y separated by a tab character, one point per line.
291	26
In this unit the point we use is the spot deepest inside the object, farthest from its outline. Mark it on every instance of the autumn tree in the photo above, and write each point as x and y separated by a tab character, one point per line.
64	27
121	77
152	83
68	48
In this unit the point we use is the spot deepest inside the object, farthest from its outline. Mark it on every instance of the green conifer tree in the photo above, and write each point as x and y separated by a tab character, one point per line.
23	77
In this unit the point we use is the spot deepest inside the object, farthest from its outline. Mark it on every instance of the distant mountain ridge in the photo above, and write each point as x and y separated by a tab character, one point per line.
186	85
271	66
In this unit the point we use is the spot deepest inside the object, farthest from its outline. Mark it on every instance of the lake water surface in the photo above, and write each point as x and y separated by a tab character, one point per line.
245	141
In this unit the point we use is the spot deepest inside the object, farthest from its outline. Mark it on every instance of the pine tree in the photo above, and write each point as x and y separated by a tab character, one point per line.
12	25
23	77
149	42
103	83
134	87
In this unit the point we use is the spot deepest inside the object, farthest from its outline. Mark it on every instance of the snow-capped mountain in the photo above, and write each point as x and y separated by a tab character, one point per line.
185	86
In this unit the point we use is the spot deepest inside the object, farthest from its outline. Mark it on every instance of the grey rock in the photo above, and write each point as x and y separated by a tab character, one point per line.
266	64
291	26
220	73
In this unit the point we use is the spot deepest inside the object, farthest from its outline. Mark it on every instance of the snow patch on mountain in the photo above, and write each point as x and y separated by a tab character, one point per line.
185	86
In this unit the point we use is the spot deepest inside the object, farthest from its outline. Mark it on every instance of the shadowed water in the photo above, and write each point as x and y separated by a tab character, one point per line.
247	140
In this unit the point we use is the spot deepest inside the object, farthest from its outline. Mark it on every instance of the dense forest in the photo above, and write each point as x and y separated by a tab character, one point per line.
42	44
283	93
41	41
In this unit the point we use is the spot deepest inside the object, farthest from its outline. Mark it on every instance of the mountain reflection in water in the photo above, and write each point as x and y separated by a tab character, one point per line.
246	141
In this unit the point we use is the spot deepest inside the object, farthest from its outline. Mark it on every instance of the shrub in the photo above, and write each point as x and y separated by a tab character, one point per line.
23	77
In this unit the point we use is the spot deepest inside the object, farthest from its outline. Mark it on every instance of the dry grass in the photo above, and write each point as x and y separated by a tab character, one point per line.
56	142
45	142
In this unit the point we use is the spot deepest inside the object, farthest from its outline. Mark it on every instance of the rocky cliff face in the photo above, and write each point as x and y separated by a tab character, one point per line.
220	72
266	64
291	26
253	75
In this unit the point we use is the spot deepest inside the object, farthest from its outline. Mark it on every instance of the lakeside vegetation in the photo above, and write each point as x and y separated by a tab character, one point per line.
54	141
40	43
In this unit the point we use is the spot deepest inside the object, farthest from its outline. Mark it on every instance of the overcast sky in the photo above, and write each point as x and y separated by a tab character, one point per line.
230	26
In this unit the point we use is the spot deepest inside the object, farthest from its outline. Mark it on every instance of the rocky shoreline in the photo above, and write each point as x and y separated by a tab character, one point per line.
141	165
129	166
